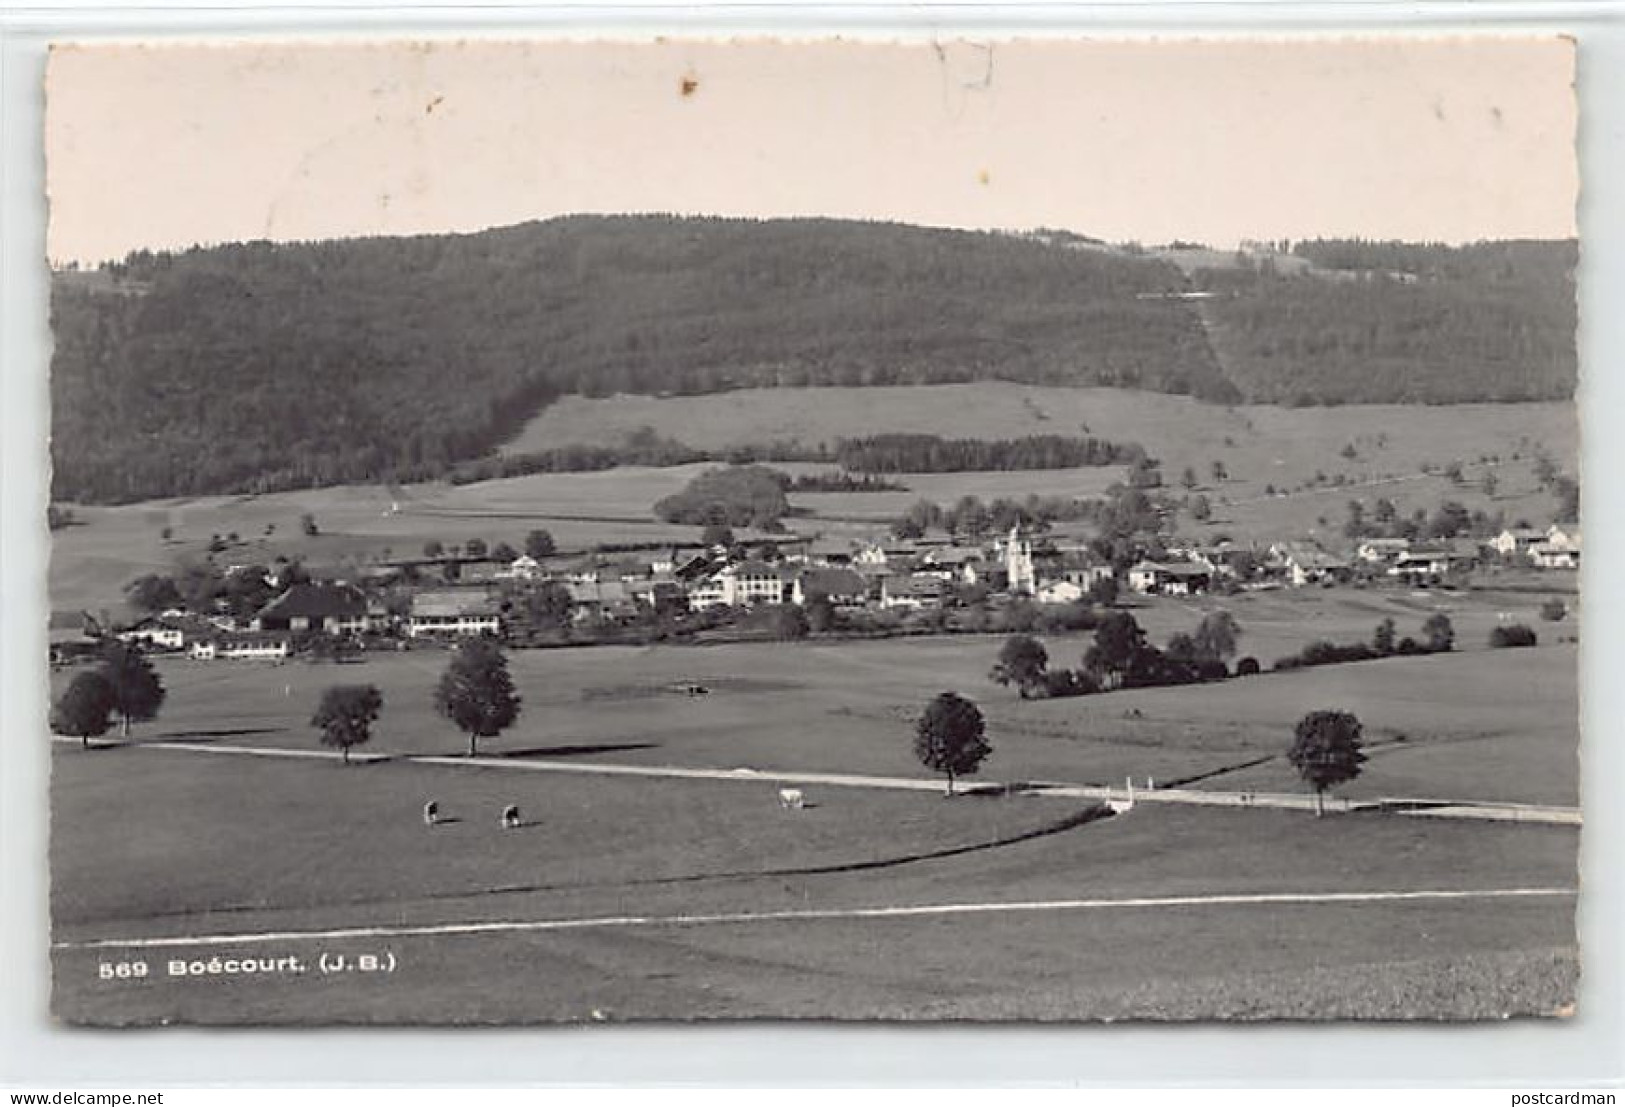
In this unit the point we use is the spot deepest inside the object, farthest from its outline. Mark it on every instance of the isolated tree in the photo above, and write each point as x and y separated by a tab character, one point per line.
949	737
1181	649
137	691
85	709
1383	639
1103	591
717	534
1441	635
1022	662
1119	644
1490	483
1188	478
475	547
820	614
345	716
503	552
539	544
1216	636
476	692
433	548
1553	610
1201	509
1326	752
307	523
1220	473
152	593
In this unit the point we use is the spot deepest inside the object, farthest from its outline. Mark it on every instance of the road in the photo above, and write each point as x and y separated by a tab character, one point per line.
1122	798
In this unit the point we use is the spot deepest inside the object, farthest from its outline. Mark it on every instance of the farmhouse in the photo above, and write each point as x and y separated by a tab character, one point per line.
1170	578
1059	591
452	614
332	608
1516	540
1427	563
962	563
842	587
601	600
911	592
1308	564
523	567
166	634
1381	551
242	646
1560	550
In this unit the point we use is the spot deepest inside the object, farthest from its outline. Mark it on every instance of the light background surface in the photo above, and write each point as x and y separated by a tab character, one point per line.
1422	138
1588	1049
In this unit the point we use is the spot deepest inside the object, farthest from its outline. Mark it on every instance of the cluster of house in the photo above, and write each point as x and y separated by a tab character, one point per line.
1298	563
886	576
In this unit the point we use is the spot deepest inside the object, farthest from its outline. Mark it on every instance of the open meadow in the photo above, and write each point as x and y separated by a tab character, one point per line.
665	896
1378	450
684	899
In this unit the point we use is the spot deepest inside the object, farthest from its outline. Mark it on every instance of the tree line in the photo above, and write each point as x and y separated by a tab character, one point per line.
475	692
930	453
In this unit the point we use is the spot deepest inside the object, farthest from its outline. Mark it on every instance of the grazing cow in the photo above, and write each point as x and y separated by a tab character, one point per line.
510	816
431	813
790	799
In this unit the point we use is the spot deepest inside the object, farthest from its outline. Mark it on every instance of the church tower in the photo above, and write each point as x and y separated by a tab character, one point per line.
1018	564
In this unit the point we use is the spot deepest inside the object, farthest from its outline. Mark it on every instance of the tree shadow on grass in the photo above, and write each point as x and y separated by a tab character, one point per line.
577	750
209	735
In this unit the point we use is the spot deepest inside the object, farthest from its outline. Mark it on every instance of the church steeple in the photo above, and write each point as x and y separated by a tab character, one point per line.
1018	564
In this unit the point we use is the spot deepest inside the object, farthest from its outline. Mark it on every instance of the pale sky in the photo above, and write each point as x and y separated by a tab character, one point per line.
1446	139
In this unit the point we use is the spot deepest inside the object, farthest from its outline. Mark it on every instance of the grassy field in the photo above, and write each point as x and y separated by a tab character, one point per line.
156	843
93	560
1259	444
850	706
153	842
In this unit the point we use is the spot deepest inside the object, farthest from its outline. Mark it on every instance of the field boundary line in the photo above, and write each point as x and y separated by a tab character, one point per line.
824	914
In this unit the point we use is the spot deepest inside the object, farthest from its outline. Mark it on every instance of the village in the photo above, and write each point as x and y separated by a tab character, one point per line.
785	588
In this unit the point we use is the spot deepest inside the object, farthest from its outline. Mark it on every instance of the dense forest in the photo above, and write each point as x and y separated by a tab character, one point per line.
1392	322
254	367
257	367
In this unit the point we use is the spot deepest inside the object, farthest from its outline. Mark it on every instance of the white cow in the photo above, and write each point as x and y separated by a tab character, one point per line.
791	799
431	813
510	816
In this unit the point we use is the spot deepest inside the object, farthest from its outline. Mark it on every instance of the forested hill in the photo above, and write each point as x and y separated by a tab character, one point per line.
257	366
1348	321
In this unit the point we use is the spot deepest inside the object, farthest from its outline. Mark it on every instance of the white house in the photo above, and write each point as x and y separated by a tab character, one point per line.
1516	540
1059	591
1560	550
252	646
911	593
1308	564
741	584
1382	551
1172	578
841	587
1422	563
523	567
162	633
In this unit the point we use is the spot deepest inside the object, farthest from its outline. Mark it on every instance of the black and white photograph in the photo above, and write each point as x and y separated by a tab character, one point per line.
983	531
